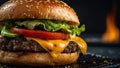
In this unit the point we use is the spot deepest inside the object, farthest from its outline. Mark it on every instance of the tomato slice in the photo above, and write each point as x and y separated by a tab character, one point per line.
39	34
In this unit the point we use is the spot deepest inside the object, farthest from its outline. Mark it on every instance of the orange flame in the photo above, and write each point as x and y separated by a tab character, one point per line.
112	32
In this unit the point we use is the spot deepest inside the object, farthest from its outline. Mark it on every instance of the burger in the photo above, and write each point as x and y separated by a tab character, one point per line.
39	32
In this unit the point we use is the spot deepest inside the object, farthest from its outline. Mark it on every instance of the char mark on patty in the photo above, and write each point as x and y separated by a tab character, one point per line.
21	44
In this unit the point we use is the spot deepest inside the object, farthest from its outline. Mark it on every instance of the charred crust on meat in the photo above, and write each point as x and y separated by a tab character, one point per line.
22	45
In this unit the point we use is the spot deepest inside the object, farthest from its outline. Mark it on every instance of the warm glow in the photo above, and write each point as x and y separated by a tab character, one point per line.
112	32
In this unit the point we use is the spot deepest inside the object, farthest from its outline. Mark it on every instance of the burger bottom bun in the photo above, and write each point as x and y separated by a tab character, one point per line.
37	59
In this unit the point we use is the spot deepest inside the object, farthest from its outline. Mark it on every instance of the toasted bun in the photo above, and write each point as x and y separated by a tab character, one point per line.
38	9
37	59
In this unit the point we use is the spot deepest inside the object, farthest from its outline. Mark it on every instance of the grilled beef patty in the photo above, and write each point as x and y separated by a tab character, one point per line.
21	44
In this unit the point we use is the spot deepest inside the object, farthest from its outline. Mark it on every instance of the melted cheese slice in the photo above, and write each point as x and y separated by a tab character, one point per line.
55	47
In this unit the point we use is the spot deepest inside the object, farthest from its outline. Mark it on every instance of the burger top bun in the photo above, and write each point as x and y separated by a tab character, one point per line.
38	9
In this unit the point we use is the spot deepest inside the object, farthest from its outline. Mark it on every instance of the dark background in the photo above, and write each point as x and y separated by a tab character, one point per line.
92	13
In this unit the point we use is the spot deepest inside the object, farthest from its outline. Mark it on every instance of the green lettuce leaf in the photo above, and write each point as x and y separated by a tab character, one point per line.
53	26
6	32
